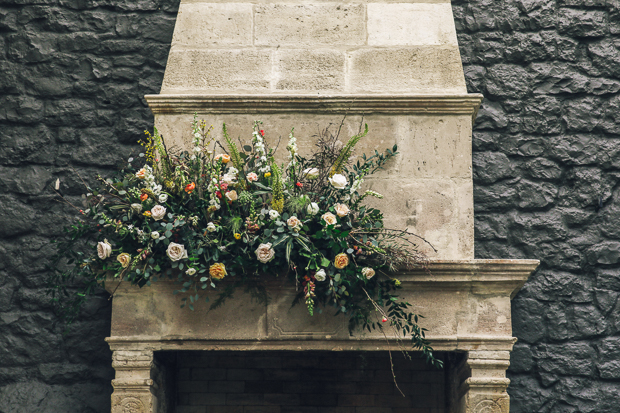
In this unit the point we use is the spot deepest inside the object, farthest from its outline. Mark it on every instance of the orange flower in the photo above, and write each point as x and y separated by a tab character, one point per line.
147	214
218	271
144	197
341	261
190	187
225	158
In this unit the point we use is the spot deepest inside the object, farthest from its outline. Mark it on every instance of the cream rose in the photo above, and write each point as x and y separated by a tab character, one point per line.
294	223
310	173
104	249
158	212
313	208
163	198
329	218
341	260
218	271
264	253
211	227
190	271
176	251
273	214
231	195
320	275
124	259
338	181
155	235
342	210
137	208
368	272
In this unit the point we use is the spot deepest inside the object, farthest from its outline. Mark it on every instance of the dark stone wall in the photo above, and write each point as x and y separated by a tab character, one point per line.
546	168
546	173
72	77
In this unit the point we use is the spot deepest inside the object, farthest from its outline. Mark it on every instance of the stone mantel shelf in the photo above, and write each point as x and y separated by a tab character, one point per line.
466	304
393	104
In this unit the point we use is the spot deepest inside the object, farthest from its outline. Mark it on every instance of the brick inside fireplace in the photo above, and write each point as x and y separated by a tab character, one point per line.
307	382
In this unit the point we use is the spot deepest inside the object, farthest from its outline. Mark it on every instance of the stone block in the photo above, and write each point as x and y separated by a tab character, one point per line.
192	71
213	24
436	146
408	24
421	69
309	24
307	70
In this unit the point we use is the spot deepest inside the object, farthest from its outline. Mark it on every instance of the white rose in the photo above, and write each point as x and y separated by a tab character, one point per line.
264	253
313	208
342	210
154	234
320	275
229	179
338	181
190	271
273	214
311	173
368	272
104	249
137	208
211	227
176	251
163	198
158	212
329	218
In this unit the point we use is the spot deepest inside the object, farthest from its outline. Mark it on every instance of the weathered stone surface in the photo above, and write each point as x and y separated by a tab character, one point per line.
309	24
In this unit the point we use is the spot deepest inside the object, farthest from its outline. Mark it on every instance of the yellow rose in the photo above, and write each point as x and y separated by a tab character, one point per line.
268	174
341	261
218	271
124	259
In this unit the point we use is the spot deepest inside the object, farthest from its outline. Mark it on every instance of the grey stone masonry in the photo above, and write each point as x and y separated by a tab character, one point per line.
546	168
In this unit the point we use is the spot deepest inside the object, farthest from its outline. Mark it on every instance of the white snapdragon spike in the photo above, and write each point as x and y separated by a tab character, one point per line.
292	150
356	185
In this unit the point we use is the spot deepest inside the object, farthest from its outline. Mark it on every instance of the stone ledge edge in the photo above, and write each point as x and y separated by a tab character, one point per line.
338	104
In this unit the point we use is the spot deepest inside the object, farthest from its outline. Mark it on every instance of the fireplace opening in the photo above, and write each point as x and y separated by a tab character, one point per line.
304	382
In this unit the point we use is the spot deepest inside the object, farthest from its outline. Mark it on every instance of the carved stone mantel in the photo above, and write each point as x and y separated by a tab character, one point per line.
304	64
466	304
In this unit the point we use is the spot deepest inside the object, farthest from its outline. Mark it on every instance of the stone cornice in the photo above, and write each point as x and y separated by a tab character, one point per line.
336	104
440	343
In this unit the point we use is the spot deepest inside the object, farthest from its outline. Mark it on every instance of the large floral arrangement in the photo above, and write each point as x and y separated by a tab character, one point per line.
223	215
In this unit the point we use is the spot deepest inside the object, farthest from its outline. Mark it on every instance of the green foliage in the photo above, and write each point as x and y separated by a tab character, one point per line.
216	222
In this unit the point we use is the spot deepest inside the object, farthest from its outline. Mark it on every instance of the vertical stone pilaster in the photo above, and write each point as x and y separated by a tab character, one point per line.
484	382
135	390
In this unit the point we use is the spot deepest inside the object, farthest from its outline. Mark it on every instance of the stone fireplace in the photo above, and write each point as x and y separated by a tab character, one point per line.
304	64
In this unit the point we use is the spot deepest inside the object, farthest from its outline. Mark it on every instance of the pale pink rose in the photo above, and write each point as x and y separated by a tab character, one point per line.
342	210
252	177
104	249
264	253
176	251
329	218
158	212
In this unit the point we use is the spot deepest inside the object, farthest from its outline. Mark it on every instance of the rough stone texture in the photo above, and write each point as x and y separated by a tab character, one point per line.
546	150
546	174
73	74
